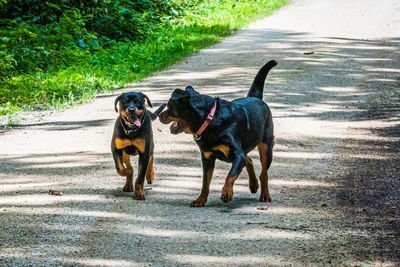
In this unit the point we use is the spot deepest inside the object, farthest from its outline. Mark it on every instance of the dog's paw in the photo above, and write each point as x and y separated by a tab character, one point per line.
253	187
128	188
150	180
138	195
227	194
198	203
265	198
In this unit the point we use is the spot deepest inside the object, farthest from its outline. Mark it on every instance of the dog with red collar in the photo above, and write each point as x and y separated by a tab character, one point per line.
227	131
132	136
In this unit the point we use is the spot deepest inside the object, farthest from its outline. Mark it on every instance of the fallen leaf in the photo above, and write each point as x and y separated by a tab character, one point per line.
308	53
389	211
55	193
262	208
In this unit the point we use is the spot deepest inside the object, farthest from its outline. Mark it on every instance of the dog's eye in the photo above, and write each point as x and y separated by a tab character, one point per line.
173	113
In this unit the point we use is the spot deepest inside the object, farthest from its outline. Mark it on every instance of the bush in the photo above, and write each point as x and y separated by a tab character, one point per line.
57	52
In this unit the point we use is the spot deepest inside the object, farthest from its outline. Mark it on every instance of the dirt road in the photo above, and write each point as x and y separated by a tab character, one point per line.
334	179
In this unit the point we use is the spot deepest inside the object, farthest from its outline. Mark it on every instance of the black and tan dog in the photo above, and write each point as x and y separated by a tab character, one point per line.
133	135
227	131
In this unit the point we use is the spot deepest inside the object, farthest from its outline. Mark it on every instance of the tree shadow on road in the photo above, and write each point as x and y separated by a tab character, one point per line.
314	191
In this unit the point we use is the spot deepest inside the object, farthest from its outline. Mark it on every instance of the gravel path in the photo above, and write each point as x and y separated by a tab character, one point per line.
334	179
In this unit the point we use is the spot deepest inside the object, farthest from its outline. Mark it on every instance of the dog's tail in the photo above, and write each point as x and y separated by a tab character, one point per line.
155	114
256	89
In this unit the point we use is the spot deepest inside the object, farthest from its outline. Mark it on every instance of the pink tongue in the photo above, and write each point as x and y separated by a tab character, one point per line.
137	122
173	125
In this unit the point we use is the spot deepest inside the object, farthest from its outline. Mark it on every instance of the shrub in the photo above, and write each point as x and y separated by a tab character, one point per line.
57	52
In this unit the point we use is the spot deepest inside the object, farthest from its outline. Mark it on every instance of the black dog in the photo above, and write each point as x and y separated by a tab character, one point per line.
133	135
226	131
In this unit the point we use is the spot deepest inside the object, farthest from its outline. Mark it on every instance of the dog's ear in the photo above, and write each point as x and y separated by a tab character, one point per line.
116	102
191	90
147	99
179	94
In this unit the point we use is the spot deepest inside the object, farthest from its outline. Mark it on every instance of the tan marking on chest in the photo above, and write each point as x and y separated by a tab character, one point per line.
139	143
222	148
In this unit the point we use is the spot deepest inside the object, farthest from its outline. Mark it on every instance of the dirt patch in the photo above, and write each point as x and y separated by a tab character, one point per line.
333	180
369	190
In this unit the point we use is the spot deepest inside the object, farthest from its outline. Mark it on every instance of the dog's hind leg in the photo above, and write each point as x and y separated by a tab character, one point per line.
150	171
266	158
253	182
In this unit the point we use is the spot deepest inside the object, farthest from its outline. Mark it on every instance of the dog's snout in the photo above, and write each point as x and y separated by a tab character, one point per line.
163	117
131	109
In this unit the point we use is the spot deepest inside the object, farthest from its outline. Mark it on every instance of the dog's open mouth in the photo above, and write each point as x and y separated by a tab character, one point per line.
178	125
174	128
132	120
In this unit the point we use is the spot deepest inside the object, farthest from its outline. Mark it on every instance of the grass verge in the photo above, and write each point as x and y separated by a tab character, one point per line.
88	73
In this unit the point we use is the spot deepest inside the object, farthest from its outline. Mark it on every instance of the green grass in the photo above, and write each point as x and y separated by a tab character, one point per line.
87	73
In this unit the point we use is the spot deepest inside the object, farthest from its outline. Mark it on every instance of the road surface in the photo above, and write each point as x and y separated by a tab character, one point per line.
334	180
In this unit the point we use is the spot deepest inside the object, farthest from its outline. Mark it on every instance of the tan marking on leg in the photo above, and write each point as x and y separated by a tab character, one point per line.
202	199
263	150
223	148
227	190
253	182
138	193
128	187
127	160
121	168
150	171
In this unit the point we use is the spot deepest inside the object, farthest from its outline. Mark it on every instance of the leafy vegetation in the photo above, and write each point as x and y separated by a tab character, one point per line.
55	53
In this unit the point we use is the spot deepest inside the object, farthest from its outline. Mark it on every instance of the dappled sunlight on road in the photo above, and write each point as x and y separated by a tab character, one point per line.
212	74
50	211
319	94
224	260
260	235
46	199
101	262
276	210
21	186
302	182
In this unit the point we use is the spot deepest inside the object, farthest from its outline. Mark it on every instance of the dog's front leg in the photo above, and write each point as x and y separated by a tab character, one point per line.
239	161
139	183
120	158
208	161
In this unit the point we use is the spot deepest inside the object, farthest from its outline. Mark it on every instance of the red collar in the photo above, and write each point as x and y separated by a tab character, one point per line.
206	122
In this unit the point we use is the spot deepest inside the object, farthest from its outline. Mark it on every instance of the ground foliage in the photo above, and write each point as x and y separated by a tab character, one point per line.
56	53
